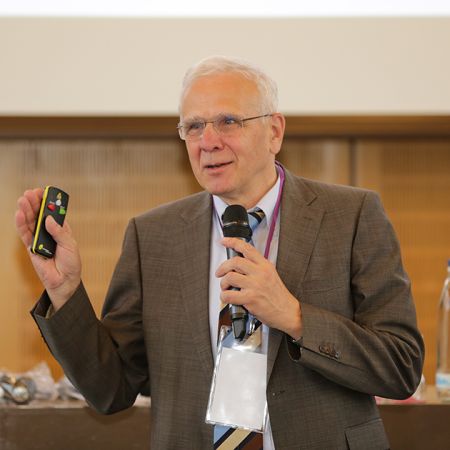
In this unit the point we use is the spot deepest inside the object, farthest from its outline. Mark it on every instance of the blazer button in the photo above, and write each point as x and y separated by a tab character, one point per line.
329	349
324	348
335	354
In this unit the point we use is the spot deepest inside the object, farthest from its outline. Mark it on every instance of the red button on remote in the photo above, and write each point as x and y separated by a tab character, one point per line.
51	206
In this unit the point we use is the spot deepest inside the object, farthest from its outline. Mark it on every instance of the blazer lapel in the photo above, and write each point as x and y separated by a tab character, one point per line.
299	225
194	276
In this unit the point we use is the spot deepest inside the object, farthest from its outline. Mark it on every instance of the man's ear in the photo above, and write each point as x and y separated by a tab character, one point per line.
277	127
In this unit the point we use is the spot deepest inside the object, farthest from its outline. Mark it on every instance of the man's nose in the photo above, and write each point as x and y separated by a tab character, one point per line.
210	137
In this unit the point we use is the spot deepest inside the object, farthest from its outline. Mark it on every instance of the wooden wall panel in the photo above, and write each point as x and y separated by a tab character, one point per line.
413	178
109	181
321	159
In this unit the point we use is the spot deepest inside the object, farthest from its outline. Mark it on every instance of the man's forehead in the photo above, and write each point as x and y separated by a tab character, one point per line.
215	94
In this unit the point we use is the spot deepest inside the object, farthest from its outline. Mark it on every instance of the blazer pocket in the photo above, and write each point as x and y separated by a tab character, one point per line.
367	436
323	285
330	294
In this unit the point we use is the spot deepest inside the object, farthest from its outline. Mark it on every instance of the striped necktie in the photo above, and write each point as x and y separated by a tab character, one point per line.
226	438
255	217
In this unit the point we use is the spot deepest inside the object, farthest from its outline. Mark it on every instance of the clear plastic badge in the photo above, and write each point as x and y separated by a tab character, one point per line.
238	390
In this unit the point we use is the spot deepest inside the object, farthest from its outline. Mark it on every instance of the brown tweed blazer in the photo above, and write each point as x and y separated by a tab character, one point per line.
338	255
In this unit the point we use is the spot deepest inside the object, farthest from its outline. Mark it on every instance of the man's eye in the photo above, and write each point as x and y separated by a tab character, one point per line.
193	126
230	120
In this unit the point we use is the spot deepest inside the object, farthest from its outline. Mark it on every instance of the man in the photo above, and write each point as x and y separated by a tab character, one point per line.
335	304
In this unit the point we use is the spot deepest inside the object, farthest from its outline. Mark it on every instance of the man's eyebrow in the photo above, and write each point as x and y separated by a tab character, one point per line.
193	119
202	119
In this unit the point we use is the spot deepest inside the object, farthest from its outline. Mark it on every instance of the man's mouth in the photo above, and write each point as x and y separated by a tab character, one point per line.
217	165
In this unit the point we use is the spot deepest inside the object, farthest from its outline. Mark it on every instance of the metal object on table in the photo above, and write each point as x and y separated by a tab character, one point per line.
20	390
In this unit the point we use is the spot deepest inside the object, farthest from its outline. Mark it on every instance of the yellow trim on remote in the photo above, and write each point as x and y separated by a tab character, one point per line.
39	222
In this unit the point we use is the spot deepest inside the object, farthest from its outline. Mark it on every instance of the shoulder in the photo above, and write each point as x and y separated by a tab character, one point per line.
183	209
167	223
327	195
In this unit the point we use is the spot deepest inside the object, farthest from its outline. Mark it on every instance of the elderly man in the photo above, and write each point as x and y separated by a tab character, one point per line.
324	278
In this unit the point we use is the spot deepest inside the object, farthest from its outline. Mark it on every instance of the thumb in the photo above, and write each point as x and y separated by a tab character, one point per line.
56	231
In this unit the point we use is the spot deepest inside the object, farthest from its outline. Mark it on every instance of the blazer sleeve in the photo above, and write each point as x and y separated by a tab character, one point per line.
104	359
379	350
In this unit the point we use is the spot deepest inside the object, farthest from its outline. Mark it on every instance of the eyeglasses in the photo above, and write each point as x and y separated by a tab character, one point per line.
225	124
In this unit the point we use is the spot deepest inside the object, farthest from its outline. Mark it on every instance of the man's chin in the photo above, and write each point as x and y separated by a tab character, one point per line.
215	185
224	194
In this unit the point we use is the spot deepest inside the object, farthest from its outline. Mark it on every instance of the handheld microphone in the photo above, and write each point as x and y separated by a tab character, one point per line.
235	224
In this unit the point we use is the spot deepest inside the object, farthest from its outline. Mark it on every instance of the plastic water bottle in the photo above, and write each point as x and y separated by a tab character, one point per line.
443	348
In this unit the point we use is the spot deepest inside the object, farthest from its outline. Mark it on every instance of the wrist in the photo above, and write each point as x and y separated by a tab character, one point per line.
295	329
59	297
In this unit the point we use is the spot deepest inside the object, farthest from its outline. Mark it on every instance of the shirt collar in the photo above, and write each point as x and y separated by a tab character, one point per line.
266	203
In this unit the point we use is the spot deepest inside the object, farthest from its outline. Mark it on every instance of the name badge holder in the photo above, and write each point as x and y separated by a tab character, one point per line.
237	397
238	390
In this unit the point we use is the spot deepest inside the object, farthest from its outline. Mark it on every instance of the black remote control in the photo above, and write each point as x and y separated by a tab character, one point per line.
54	203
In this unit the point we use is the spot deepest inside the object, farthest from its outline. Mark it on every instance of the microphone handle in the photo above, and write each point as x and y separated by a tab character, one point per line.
238	314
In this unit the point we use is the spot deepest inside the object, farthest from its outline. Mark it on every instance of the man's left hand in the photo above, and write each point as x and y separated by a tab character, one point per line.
261	292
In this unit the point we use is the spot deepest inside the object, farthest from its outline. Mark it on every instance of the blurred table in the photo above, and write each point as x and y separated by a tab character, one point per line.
418	426
71	425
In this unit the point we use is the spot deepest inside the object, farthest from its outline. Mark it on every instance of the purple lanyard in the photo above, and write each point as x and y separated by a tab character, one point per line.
276	210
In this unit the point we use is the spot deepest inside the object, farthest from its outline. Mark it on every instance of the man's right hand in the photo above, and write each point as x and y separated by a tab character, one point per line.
60	275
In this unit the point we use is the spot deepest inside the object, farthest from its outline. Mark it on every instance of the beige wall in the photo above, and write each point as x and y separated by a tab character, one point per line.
111	180
134	66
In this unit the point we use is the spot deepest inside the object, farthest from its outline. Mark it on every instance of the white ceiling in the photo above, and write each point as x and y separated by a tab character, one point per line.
229	8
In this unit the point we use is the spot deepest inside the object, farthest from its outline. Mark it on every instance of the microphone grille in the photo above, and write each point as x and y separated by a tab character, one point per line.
235	222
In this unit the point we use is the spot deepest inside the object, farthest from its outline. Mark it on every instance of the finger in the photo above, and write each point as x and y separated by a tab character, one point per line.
233	297
235	264
24	206
34	196
29	203
240	246
60	234
233	279
22	228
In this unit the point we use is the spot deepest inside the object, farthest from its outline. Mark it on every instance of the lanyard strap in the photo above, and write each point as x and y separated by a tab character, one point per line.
276	210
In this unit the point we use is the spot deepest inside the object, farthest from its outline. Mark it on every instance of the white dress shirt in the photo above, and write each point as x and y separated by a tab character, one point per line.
218	255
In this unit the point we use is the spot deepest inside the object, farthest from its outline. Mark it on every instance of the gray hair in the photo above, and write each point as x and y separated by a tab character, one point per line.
213	65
